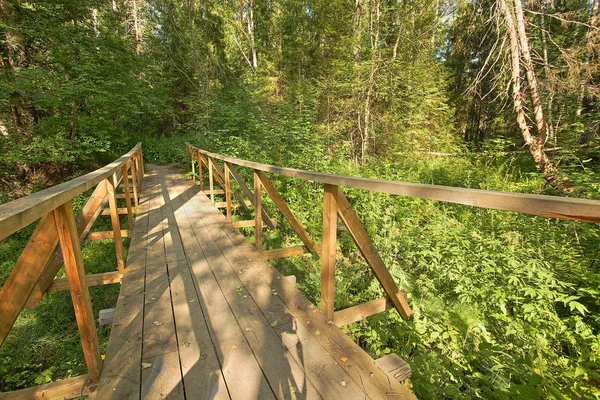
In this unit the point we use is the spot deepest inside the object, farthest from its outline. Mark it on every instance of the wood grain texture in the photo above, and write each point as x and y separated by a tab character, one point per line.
69	244
257	213
361	311
71	388
545	206
125	175
328	251
246	190
20	213
111	183
104	278
286	212
367	249
394	366
26	272
90	212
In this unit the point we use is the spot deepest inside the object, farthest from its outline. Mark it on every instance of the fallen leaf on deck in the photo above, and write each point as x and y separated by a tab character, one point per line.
191	300
293	389
186	344
158	323
344	359
317	332
146	365
274	323
234	347
343	383
256	321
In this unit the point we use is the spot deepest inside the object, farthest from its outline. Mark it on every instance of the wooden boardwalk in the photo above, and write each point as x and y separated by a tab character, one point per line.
202	314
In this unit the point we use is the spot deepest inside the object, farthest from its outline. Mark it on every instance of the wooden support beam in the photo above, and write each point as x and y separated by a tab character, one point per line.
127	195
394	366
120	211
89	214
250	223
246	190
228	192
104	278
211	181
285	252
26	272
115	222
286	212
216	191
369	252
200	170
223	204
257	214
219	176
107	235
361	311
71	388
69	244
328	252
135	175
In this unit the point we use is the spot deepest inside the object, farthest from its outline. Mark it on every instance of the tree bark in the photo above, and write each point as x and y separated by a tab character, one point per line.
535	143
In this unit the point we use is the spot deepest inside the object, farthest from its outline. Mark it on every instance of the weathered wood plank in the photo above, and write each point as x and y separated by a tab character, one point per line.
361	311
159	349
71	388
106	316
125	175
120	211
241	372
228	192
104	278
111	183
257	214
328	251
26	272
369	252
223	204
251	223
121	373
394	366
285	252
69	244
107	234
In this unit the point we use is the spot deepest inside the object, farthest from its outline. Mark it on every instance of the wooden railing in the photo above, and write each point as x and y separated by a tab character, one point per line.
335	204
35	270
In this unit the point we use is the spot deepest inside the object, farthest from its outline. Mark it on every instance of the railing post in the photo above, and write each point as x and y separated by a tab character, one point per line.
126	190
227	190
211	180
193	165
69	244
200	171
114	217
328	250
135	174
257	213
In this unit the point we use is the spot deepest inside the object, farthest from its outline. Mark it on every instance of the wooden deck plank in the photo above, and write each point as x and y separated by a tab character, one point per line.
286	377
228	324
242	374
318	363
161	372
197	353
120	377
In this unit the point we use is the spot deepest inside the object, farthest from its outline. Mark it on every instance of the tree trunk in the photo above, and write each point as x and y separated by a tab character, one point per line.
137	29
251	33
535	143
534	92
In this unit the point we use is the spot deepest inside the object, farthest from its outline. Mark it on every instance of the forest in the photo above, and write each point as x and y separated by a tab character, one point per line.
488	94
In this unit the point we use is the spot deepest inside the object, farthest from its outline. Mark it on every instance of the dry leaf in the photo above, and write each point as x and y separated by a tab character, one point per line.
343	383
158	323
146	365
191	300
234	347
344	359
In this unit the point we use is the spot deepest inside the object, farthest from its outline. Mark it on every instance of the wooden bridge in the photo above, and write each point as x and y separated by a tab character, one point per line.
201	312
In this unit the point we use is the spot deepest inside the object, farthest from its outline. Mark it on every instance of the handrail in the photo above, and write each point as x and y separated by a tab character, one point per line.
336	206
40	260
542	205
21	212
